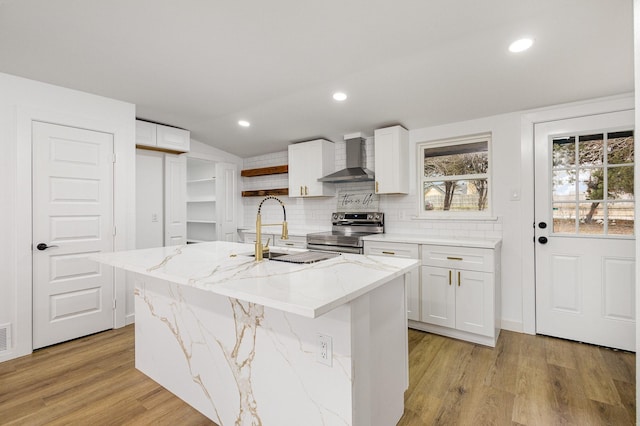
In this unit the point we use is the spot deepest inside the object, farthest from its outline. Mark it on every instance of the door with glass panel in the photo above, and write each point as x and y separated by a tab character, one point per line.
584	229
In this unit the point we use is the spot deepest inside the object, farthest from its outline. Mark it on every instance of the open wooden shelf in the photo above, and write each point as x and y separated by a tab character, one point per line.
265	192
273	170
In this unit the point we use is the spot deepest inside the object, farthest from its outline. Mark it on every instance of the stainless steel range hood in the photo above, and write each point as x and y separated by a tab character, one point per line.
355	172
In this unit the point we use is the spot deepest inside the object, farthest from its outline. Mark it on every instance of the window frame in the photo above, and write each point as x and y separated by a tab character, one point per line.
605	201
486	214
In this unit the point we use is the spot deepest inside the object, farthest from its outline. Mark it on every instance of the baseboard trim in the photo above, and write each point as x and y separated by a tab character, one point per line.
129	319
516	326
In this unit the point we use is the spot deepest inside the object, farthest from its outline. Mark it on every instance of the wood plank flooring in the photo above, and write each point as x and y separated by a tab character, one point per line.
525	380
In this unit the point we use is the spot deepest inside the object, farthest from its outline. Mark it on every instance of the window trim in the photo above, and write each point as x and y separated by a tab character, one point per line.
486	214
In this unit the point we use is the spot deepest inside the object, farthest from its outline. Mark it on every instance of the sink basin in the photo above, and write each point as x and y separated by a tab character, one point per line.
271	255
298	256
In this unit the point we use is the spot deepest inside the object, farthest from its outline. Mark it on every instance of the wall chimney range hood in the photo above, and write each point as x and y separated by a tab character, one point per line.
355	172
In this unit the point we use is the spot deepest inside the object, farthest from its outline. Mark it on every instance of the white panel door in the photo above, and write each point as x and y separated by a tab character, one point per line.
584	230
175	202
72	219
438	296
227	191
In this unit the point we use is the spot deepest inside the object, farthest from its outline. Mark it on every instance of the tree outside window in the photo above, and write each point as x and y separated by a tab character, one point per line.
455	176
592	178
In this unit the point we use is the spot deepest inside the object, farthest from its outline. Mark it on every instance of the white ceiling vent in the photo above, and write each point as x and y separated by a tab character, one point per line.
5	337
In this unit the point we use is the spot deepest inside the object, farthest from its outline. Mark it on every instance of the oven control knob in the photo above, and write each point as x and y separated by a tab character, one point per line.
334	216
369	217
376	217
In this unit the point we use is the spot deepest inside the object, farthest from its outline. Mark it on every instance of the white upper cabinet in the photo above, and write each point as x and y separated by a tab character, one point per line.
392	160
162	137
309	161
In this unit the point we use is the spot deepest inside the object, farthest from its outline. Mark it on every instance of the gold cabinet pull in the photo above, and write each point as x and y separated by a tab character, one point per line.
389	252
288	244
449	277
458	278
301	193
306	190
453	258
377	187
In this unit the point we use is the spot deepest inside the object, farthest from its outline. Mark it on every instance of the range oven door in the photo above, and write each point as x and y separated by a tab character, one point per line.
335	249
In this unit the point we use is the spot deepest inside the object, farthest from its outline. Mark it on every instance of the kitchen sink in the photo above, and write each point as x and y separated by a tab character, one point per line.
307	256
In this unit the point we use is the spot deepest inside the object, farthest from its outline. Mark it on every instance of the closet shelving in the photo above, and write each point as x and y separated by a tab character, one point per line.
201	201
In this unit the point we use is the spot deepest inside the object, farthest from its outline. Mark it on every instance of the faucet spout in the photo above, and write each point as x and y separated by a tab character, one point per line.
259	249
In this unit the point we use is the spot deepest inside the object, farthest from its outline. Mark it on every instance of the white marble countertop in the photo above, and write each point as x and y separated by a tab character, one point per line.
223	268
491	243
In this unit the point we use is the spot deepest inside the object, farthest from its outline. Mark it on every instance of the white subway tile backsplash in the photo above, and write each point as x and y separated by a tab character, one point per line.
315	213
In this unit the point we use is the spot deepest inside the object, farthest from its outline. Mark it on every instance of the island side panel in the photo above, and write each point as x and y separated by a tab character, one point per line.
380	354
240	362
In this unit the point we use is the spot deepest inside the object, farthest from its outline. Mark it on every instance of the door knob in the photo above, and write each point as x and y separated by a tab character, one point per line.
543	240
43	246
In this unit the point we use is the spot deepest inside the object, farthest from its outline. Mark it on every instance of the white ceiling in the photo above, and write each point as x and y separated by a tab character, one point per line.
205	64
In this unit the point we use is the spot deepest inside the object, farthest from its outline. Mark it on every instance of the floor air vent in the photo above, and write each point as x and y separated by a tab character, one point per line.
5	337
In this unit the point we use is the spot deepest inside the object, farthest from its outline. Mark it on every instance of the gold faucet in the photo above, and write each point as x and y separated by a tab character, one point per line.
260	250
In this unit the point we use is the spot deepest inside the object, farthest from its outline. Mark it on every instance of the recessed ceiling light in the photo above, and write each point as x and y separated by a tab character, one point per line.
520	45
244	123
339	96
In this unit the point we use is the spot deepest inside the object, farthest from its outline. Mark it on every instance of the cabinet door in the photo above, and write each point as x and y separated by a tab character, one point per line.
474	302
309	161
438	296
175	204
391	158
320	161
172	138
412	281
226	192
297	170
145	133
412	284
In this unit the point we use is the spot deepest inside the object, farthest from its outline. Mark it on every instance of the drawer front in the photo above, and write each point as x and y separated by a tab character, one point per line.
295	241
376	248
250	237
467	258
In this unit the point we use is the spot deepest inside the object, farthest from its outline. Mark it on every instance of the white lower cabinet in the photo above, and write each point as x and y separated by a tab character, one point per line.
455	292
275	240
461	293
458	299
412	282
294	241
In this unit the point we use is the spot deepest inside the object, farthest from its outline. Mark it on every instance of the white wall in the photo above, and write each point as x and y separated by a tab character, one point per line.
512	171
21	102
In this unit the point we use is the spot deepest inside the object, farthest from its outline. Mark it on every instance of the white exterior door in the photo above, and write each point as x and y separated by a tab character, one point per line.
72	218
175	200
227	191
584	210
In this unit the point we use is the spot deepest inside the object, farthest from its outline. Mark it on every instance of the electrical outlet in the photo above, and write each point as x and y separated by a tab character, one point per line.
154	217
325	350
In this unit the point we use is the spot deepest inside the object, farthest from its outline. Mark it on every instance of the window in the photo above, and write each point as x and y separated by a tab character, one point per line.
592	178
455	177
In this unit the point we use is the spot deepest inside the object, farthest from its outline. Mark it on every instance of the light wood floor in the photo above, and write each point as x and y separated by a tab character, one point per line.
525	380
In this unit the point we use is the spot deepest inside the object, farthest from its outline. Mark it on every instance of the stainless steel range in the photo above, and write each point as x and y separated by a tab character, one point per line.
347	232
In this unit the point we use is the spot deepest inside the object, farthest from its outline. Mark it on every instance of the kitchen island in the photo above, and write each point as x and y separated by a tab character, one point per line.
272	343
